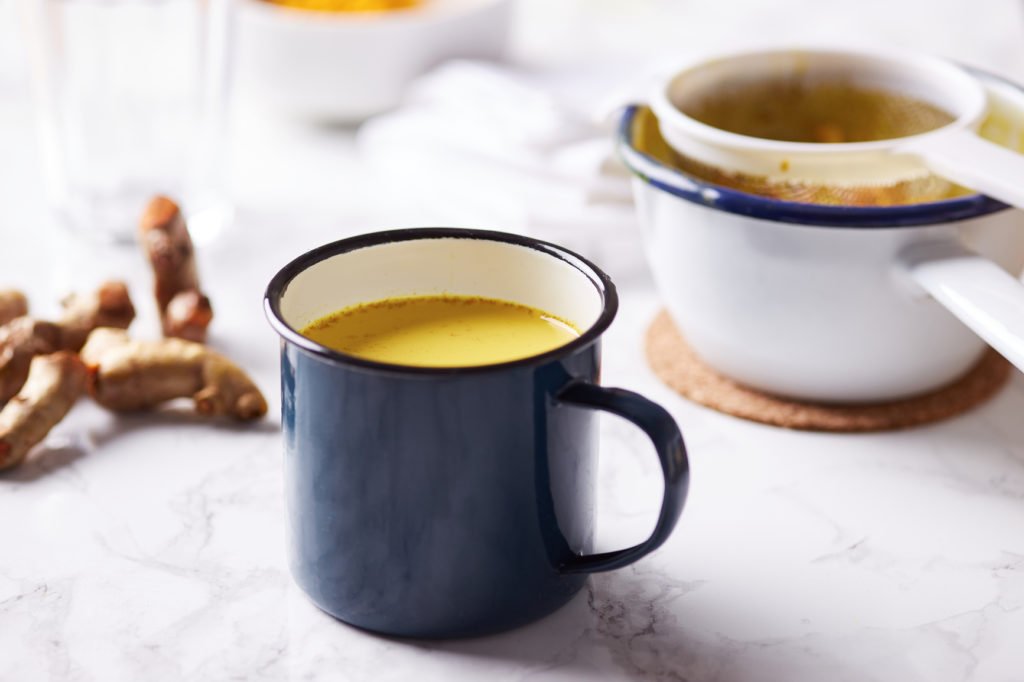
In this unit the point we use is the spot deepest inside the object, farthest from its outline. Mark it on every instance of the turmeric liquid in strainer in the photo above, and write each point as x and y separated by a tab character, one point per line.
793	111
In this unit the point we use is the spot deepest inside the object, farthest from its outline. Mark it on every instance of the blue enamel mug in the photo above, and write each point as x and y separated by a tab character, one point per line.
450	502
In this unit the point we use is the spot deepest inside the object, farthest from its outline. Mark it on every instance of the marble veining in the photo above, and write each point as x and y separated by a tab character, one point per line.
152	548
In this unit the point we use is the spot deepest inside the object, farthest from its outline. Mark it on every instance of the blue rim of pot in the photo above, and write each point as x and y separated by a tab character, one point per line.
688	188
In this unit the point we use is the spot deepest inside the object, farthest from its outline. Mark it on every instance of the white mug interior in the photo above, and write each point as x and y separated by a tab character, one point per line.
462	266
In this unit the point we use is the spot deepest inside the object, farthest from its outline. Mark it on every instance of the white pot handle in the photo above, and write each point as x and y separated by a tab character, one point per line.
982	295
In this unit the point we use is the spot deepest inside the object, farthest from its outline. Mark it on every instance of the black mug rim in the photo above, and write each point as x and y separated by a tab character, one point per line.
279	284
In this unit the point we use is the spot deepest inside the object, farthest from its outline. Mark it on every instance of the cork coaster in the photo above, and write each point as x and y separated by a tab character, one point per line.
676	364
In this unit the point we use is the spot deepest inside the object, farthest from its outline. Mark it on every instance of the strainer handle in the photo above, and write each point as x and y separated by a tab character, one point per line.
981	294
969	160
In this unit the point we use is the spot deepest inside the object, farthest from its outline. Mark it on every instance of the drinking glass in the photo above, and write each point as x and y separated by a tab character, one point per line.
132	99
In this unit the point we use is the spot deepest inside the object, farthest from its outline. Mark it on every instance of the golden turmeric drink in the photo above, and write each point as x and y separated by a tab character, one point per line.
441	331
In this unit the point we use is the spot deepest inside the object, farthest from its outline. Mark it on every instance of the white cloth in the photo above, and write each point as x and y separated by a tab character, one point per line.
485	145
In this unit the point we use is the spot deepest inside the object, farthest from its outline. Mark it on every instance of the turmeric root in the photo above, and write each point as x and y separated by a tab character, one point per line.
165	239
54	384
108	306
23	338
126	375
187	316
12	304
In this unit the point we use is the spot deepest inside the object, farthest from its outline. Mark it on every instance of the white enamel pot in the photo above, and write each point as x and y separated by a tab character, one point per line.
829	303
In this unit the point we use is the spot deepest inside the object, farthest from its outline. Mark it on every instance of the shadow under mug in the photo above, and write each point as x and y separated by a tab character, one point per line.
447	502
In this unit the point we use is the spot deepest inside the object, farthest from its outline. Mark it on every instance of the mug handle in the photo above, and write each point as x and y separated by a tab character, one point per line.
659	426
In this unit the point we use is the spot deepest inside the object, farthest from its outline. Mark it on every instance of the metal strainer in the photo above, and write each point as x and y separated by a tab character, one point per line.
848	127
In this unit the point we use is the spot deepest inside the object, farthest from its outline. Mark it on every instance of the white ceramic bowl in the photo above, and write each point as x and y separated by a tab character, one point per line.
343	67
827	303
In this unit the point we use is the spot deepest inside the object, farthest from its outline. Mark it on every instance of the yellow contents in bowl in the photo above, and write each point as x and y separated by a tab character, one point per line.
347	5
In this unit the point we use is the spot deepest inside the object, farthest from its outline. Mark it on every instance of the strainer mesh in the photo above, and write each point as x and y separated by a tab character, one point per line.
793	110
910	191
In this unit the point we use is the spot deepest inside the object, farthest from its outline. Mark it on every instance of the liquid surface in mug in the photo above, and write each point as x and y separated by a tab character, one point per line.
441	331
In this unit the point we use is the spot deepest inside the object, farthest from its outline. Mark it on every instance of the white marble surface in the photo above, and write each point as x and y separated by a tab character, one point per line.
152	548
